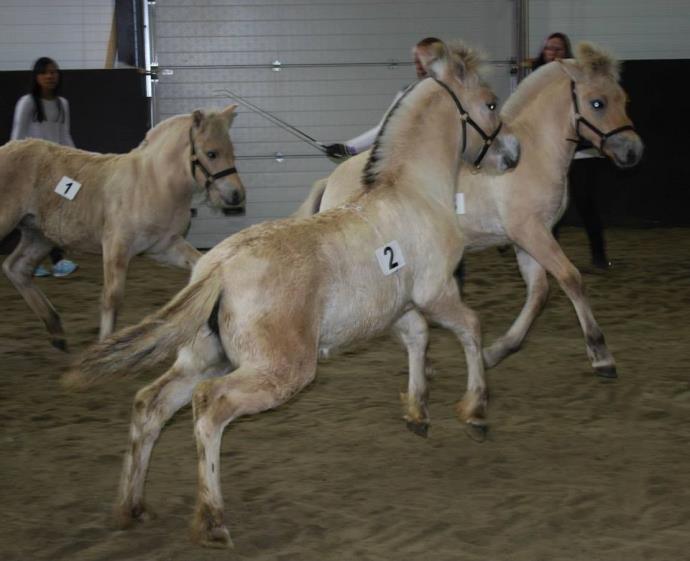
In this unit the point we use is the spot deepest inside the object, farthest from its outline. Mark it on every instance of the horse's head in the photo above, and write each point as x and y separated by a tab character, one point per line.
599	106
486	143
213	157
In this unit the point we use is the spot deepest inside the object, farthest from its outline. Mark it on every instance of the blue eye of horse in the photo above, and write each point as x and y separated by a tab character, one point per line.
597	104
211	155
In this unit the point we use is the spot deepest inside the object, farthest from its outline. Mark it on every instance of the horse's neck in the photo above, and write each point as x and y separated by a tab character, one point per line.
421	156
546	122
167	155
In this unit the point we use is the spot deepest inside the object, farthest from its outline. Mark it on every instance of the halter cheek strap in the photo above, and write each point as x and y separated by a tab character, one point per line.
467	120
603	136
195	162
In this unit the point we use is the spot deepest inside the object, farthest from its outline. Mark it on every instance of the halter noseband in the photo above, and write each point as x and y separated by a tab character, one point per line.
603	136
466	119
195	162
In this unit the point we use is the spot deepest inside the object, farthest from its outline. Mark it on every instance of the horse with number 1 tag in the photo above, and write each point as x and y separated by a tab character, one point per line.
117	205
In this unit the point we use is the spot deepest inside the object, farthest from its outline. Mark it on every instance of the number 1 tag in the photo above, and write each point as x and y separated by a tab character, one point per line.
390	257
68	187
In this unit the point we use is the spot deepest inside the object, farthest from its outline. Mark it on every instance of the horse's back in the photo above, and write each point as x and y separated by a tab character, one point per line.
345	182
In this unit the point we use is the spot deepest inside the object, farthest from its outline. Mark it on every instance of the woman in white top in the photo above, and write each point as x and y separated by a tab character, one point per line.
365	140
42	113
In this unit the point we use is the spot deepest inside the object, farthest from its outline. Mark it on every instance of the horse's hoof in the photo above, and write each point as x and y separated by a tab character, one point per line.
420	428
60	344
217	537
476	431
126	516
607	371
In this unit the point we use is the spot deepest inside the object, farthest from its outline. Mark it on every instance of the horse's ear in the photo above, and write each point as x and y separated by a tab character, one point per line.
229	113
197	118
596	61
436	59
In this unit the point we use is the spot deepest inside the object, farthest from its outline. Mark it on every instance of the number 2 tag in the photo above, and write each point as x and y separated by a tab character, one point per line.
390	257
68	187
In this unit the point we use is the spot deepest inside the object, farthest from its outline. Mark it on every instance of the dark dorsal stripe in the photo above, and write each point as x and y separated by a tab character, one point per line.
369	176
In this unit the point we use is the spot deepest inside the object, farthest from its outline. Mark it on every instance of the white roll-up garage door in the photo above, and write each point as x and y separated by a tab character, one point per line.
330	68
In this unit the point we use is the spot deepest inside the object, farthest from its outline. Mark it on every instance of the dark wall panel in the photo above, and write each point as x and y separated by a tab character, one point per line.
109	109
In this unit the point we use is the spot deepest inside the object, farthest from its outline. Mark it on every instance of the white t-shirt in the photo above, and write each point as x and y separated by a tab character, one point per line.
55	127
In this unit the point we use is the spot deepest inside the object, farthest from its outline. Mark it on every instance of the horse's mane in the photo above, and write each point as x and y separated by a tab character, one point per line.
463	60
529	88
589	58
153	133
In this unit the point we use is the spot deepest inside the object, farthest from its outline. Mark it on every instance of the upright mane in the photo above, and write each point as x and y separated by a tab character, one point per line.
529	88
153	134
462	60
589	59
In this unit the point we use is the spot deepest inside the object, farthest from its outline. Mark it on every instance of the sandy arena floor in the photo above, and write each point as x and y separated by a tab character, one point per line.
575	468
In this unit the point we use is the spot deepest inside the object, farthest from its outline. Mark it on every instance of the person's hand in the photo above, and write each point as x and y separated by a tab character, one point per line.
339	151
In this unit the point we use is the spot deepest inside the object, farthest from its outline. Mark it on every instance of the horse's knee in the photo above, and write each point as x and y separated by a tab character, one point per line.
413	330
571	280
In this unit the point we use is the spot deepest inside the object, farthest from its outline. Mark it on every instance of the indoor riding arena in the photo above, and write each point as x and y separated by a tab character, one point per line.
572	445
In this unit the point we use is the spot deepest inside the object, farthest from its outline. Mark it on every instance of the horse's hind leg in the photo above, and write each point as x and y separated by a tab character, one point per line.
450	312
19	268
153	406
537	284
542	246
116	258
217	402
414	333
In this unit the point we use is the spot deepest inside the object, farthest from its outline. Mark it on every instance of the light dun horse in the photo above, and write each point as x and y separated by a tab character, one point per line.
558	103
265	303
127	204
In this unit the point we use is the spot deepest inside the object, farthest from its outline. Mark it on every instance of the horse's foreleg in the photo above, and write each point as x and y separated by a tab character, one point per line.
115	262
19	268
153	406
450	312
180	253
537	284
414	333
219	401
541	245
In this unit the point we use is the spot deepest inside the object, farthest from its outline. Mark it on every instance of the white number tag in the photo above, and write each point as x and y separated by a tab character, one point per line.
68	187
390	257
459	203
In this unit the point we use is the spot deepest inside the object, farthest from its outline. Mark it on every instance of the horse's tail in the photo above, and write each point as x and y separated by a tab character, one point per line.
312	203
152	340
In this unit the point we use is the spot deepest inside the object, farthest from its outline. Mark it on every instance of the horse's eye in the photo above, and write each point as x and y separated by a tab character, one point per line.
211	155
597	104
491	106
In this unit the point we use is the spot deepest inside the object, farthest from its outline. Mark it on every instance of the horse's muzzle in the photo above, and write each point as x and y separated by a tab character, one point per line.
625	151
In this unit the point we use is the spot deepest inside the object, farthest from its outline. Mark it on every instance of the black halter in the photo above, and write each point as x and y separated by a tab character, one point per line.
194	161
467	120
603	136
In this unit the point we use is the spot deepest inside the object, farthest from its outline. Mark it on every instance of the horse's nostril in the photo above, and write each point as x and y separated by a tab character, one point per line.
631	157
236	199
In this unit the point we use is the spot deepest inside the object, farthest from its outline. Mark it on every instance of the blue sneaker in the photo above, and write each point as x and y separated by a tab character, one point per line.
64	267
41	271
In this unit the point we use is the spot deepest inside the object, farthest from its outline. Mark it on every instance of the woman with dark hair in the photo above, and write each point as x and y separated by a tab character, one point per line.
556	46
42	113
